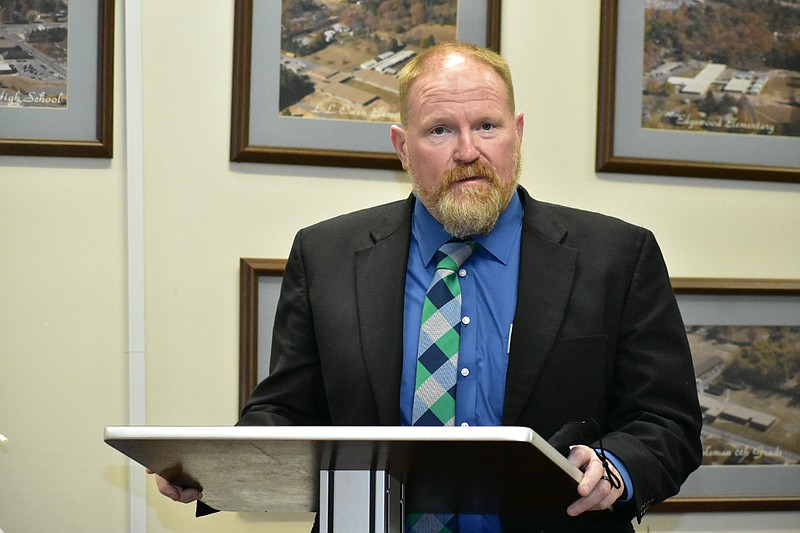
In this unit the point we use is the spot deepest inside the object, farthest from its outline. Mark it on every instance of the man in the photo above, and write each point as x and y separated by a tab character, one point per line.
564	315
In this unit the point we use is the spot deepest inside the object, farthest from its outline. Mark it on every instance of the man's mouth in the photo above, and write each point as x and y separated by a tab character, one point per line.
475	173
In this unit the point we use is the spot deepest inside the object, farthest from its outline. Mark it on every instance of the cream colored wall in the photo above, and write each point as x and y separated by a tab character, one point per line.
63	255
62	341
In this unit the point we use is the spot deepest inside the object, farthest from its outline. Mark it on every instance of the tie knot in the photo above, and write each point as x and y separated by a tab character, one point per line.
451	255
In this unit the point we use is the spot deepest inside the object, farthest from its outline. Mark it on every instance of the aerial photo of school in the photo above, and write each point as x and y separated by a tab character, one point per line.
730	66
748	382
340	59
33	53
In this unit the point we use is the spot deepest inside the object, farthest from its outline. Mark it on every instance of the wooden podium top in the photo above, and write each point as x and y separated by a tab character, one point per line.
457	469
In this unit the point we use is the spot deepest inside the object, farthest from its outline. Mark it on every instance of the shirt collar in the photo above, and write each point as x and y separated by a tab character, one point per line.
500	242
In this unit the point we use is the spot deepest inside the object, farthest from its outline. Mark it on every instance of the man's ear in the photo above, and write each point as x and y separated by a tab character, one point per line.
398	136
519	122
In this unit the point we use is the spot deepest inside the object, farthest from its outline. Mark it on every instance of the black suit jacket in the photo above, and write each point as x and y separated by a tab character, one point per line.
597	334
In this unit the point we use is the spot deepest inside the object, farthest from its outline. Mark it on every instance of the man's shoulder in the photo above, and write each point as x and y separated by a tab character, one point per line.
331	244
558	221
573	216
385	213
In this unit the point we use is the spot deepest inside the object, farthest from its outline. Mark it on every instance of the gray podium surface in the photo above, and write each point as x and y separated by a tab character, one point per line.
455	469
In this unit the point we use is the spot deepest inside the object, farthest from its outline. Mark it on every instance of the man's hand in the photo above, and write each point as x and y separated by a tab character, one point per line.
174	492
595	490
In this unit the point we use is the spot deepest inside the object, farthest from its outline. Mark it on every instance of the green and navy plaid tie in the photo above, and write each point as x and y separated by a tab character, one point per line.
437	354
432	523
437	363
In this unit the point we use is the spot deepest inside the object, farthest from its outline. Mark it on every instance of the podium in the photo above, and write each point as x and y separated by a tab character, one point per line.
359	478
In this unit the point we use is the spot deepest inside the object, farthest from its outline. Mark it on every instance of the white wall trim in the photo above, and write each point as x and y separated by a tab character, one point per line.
134	153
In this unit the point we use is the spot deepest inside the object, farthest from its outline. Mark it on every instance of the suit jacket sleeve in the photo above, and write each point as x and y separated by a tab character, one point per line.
654	415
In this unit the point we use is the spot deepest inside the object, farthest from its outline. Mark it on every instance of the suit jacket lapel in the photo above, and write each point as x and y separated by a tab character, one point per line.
380	294
547	269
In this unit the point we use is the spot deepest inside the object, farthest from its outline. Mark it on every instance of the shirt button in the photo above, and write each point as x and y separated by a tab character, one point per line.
462	273
464	424
465	372
465	320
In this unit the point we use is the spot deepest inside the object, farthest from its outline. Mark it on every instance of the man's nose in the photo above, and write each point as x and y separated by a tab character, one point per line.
466	149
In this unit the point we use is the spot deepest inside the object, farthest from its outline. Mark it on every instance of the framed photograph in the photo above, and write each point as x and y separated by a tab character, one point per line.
699	89
751	435
745	338
319	87
56	78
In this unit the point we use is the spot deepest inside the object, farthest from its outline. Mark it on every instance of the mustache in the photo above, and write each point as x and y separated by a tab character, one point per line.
478	169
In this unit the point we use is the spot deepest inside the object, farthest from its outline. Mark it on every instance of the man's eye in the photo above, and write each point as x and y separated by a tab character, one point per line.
438	130
487	127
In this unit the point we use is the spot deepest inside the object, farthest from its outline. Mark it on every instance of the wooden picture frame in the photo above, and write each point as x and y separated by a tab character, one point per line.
730	301
774	490
260	134
84	126
251	329
625	146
